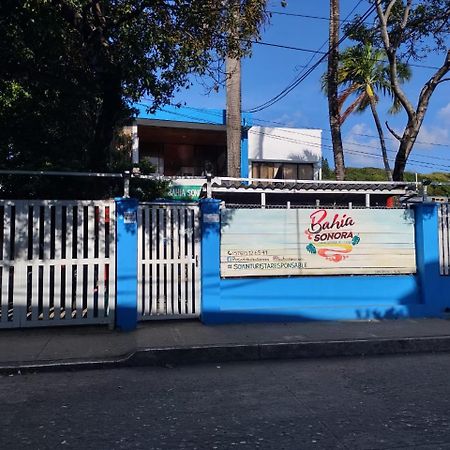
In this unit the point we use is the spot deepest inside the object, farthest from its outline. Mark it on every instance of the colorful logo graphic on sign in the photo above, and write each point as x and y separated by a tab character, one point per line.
332	236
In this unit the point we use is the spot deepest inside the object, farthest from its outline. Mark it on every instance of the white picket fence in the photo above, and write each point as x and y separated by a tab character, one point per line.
168	261
57	262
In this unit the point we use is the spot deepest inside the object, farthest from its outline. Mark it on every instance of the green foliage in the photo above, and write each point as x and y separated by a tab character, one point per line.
71	69
327	173
427	28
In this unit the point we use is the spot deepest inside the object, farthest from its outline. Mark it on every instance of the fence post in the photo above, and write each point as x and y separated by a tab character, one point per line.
210	261
430	282
126	265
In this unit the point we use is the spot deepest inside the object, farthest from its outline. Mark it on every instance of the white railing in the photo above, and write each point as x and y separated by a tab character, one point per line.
168	261
57	262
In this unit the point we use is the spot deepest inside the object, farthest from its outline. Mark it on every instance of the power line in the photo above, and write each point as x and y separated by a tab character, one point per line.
305	16
297	132
432	144
309	50
414	162
304	75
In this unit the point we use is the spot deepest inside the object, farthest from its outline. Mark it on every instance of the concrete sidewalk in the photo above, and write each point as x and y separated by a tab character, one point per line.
181	342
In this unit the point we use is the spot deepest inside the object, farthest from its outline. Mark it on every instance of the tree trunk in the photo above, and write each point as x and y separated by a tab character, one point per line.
233	117
333	101
406	145
381	137
100	151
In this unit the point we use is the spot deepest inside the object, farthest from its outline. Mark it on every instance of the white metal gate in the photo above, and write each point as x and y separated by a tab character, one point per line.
57	262
168	261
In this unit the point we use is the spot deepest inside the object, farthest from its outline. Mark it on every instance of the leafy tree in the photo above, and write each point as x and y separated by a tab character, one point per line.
408	29
327	173
363	73
71	69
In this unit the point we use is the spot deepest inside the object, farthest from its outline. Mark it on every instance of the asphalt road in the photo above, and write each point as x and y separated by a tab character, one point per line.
374	403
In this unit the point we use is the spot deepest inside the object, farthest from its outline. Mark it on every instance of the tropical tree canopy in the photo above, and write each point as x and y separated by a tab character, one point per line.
71	69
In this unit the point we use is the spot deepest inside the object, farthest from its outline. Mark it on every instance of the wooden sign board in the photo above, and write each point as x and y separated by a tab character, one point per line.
283	242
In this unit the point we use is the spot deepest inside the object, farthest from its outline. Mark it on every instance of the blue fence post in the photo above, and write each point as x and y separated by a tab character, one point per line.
210	209
126	265
427	257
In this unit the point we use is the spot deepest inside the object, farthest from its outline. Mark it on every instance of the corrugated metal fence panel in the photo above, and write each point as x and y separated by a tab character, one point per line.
444	242
57	262
168	261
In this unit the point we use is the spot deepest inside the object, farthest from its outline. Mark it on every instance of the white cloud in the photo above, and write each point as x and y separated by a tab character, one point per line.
432	135
292	120
444	114
361	149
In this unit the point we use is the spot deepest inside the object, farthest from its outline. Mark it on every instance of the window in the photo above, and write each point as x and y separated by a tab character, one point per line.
282	171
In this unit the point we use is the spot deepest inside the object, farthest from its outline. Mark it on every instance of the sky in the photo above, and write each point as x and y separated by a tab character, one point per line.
270	69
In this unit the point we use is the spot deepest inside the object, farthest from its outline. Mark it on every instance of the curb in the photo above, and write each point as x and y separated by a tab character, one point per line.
243	352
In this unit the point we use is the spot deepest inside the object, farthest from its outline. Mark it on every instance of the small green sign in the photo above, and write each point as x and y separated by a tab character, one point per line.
184	192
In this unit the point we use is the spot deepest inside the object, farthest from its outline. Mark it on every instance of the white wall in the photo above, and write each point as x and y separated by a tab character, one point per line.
298	145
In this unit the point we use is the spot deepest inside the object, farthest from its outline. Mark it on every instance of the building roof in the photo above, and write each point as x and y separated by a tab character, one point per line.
229	185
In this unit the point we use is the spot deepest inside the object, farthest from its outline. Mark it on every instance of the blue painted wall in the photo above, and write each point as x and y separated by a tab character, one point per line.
126	264
326	298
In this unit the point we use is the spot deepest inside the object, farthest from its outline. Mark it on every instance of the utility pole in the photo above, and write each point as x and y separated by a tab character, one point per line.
233	105
233	116
333	106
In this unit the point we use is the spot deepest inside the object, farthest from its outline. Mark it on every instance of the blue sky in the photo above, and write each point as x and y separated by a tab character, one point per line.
269	70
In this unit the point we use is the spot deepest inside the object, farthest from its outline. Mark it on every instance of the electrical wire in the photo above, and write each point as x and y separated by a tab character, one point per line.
306	73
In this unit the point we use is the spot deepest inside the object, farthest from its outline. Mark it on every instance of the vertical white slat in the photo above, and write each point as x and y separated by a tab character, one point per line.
140	256
34	285
68	264
80	256
6	233
161	283
45	291
6	263
182	257
90	255
176	250
154	297
169	265
90	241
154	260
142	289
445	236
90	290
190	261
150	253
101	266
58	268
69	287
161	231
5	290
440	232
12	264
35	231
46	241
197	255
112	264
35	293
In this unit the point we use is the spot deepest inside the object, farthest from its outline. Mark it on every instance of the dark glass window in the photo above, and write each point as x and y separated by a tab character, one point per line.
282	171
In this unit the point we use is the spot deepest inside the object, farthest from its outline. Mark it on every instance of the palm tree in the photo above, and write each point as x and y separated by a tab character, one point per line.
363	72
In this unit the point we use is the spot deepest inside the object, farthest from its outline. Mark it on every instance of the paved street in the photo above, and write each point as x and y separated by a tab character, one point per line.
384	402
